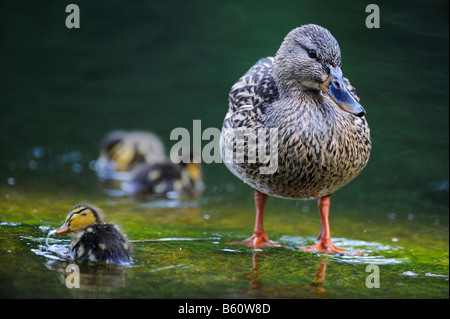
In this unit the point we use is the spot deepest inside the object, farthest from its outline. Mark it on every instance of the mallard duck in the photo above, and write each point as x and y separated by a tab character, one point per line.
93	239
123	151
322	139
167	179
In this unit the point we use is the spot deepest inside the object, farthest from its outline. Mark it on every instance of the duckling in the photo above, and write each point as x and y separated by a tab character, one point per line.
123	151
323	139
93	239
167	179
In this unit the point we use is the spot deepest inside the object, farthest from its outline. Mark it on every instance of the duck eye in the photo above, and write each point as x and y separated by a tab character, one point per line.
312	54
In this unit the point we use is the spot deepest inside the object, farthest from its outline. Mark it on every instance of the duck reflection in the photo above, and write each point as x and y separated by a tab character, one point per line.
258	290
320	276
253	274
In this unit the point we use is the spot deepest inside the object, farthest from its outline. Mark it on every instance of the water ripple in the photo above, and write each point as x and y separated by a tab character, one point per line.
54	252
373	252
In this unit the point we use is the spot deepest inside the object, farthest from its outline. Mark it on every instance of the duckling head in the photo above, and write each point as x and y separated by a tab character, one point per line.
309	60
119	151
78	218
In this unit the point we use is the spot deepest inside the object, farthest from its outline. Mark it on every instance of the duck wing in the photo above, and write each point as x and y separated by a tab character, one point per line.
254	91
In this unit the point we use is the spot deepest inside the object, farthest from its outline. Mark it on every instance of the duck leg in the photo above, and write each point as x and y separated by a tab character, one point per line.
324	244
259	239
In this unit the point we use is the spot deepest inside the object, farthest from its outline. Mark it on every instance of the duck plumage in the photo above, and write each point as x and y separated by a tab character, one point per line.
318	154
322	137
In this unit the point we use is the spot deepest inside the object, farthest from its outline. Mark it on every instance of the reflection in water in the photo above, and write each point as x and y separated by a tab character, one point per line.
94	277
320	276
372	253
258	290
253	274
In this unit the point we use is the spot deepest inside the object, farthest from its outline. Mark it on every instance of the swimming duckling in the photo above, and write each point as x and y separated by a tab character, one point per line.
322	137
122	151
167	179
93	239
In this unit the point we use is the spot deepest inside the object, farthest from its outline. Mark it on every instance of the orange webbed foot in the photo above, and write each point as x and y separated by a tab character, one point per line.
256	241
325	246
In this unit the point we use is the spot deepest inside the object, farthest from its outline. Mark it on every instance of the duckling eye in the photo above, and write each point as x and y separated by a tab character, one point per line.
84	214
312	54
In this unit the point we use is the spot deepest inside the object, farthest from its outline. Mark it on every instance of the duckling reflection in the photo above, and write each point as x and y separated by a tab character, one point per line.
103	278
122	152
257	289
93	239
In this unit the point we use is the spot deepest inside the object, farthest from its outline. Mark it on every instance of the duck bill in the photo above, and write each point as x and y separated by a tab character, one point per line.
336	89
64	229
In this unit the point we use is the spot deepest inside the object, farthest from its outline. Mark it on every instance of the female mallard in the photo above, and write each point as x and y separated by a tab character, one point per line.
93	239
322	139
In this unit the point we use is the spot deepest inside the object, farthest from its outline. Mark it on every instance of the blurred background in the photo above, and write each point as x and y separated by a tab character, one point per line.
159	65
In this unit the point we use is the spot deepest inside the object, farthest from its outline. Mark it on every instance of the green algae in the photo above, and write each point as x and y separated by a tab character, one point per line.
181	252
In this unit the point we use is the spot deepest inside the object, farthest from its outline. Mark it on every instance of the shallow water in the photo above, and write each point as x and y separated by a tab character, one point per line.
180	252
158	66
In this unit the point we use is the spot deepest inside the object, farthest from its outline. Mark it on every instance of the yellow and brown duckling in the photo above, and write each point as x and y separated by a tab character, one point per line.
323	139
167	179
123	151
93	239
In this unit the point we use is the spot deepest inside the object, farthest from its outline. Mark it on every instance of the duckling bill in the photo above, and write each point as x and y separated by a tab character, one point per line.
93	239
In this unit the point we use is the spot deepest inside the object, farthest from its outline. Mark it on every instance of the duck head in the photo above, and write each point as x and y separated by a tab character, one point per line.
78	218
309	59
